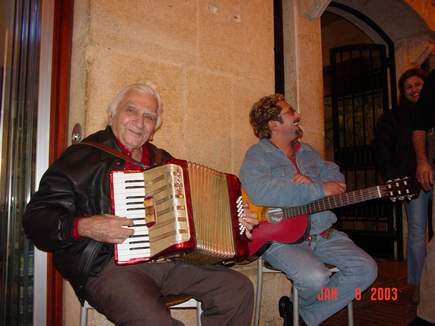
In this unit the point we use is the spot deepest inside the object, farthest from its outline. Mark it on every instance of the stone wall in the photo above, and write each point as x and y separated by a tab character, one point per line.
210	60
425	9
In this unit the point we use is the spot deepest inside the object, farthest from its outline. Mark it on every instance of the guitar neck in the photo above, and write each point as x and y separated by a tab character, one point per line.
335	201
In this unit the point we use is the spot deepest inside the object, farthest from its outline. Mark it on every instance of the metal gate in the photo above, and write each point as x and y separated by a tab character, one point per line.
360	94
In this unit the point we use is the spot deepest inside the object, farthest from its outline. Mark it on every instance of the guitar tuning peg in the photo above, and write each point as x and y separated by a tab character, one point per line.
393	199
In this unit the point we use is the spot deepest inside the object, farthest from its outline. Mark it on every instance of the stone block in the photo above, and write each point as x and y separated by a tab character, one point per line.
156	29
245	93
236	37
207	127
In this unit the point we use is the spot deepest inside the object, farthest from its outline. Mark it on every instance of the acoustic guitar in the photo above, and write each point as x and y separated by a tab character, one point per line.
292	224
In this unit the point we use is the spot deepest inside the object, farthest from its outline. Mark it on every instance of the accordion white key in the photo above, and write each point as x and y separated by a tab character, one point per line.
180	209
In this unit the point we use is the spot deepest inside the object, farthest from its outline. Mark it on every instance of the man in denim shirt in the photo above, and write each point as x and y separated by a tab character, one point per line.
280	171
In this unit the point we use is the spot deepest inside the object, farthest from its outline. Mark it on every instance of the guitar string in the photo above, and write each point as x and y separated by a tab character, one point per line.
348	198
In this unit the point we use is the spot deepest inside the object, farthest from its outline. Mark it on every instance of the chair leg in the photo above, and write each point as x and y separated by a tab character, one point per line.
350	314
259	291
83	315
198	313
295	298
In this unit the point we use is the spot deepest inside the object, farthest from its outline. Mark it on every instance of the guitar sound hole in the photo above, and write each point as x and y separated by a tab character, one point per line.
274	215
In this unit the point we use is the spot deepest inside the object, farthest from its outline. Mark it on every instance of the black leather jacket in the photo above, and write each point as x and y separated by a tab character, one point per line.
76	184
393	151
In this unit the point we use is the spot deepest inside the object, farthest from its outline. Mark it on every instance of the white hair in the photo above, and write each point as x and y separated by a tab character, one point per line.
147	89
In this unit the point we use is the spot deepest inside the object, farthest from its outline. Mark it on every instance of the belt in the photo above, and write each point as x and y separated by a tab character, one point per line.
326	234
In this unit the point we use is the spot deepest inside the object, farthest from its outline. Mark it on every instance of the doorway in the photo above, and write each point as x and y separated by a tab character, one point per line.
358	74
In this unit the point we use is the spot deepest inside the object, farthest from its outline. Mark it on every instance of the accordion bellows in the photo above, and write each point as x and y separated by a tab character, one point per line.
180	209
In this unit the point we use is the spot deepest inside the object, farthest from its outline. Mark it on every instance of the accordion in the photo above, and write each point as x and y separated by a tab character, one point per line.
179	209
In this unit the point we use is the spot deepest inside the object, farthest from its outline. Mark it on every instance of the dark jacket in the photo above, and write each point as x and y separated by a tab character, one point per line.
425	107
76	184
393	151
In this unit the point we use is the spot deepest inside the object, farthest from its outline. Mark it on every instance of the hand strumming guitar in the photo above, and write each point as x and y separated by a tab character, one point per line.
249	221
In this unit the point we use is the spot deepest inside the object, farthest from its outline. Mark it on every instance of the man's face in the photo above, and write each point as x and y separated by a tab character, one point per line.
135	119
412	88
290	121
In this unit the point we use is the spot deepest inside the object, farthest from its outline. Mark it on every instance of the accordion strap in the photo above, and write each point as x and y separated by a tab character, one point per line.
113	152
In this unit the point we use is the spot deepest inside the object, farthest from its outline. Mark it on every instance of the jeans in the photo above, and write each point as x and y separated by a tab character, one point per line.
303	264
417	223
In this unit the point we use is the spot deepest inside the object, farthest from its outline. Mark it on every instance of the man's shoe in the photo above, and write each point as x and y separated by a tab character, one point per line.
285	307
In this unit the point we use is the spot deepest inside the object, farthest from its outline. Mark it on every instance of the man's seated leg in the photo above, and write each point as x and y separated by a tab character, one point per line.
304	265
301	266
226	295
357	271
126	295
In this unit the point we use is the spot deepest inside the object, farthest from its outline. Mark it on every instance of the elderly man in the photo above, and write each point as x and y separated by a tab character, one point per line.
280	171
70	215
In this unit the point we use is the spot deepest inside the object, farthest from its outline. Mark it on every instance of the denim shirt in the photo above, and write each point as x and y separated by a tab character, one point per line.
266	175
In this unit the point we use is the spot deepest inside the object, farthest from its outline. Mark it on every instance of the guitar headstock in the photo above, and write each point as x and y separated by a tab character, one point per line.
400	189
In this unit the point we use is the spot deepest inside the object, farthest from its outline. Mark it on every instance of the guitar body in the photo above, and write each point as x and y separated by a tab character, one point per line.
289	231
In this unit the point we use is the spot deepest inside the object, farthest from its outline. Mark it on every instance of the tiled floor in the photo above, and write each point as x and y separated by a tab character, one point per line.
387	302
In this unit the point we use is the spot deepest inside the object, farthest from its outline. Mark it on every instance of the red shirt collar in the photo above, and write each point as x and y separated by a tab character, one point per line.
297	146
145	155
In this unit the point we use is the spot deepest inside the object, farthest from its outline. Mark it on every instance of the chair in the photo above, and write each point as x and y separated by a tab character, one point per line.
261	268
172	302
185	302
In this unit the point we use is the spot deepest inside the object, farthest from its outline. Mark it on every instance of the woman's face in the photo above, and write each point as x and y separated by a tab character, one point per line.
412	88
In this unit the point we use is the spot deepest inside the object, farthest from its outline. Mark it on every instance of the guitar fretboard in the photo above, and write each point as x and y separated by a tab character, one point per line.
334	201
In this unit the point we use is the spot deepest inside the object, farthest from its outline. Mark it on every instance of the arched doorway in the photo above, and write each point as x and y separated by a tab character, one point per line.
359	71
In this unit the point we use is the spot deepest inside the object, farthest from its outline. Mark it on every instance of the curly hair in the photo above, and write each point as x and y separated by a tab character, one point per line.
263	111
